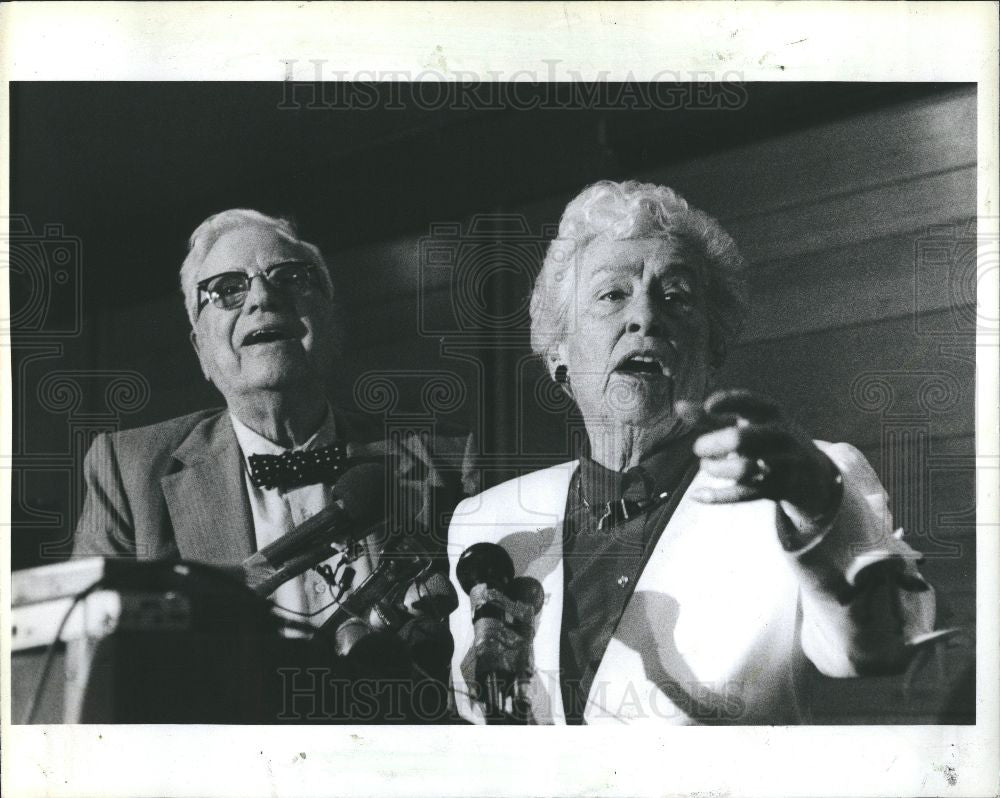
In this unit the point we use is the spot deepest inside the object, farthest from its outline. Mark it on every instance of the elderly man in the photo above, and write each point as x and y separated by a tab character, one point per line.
264	325
702	550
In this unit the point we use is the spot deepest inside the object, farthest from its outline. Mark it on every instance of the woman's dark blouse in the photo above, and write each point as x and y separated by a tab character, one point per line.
602	564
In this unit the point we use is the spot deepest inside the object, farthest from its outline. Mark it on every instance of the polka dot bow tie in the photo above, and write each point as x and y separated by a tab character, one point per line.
293	469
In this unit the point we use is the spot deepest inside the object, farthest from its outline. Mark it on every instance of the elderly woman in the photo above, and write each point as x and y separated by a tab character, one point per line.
702	549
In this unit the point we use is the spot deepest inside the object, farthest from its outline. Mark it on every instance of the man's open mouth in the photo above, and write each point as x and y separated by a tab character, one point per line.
641	363
267	335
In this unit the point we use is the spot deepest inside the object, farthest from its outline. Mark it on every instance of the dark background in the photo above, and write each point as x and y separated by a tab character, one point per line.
854	203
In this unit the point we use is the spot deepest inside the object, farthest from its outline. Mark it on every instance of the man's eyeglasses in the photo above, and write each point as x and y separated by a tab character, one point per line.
229	290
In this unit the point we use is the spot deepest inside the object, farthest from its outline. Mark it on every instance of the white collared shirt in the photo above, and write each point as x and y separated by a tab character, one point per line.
277	512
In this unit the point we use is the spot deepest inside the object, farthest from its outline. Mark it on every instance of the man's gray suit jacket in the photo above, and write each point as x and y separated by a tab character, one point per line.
176	490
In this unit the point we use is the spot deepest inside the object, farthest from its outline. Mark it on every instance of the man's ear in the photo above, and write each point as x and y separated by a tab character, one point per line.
193	337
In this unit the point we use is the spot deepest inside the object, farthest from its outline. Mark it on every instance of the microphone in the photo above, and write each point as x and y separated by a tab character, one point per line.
430	644
395	594
375	601
526	591
429	602
503	612
484	564
359	504
433	597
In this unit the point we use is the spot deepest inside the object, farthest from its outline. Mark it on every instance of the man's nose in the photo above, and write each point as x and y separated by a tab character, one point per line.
261	295
643	316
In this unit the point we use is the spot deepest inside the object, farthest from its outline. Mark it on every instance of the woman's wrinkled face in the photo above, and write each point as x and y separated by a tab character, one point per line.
638	339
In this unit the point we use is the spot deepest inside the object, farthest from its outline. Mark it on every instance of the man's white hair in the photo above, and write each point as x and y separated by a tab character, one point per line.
214	227
616	211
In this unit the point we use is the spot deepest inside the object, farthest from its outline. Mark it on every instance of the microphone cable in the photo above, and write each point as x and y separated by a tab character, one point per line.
50	653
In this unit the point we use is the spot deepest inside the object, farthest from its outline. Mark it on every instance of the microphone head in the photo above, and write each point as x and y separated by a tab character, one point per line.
527	590
433	597
361	493
430	644
348	634
379	655
484	564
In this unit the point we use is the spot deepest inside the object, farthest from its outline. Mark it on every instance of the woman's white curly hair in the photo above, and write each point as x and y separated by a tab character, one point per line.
214	227
616	211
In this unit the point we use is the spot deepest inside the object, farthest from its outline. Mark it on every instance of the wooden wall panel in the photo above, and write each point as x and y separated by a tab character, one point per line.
795	199
813	376
846	156
860	283
875	213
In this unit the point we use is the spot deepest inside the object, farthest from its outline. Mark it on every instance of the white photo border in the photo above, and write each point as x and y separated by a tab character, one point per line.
520	41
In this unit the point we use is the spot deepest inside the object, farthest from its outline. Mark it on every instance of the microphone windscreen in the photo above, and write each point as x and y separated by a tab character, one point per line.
484	564
430	644
362	493
527	590
349	633
379	655
433	597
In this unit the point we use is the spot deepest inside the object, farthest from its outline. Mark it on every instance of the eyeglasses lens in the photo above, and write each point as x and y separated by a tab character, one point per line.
230	290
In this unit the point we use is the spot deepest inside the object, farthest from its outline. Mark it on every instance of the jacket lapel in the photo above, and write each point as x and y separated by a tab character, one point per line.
537	552
625	687
206	498
525	517
661	664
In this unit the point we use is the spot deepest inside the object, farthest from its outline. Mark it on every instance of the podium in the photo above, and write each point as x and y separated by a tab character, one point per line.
118	641
109	641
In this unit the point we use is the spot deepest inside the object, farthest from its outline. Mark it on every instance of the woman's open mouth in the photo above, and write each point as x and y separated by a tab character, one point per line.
642	364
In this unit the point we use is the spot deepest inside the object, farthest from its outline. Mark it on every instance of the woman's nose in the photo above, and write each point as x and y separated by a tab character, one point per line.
643	318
